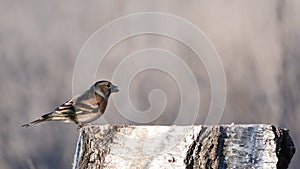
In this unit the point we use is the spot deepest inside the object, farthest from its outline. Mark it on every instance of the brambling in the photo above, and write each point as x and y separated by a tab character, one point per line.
82	109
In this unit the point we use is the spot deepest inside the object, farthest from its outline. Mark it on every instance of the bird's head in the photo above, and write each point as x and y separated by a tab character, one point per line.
104	88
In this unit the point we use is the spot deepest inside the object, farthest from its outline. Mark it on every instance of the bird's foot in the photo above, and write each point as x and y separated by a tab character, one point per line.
82	125
79	127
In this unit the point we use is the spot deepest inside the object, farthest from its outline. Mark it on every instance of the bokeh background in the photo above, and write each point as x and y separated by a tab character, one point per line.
258	43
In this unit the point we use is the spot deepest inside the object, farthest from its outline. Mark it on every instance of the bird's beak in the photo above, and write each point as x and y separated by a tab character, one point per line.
114	88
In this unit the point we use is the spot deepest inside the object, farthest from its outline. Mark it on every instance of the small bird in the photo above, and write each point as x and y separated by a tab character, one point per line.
84	108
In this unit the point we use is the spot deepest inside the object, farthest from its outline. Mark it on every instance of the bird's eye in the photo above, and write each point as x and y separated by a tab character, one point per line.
108	86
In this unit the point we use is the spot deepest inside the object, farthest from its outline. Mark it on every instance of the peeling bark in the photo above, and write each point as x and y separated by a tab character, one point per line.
227	146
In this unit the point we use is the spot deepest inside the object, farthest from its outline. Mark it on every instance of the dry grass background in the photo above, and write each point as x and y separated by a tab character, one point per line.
258	42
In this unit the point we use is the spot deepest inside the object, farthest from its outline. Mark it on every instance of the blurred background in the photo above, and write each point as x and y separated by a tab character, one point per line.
258	43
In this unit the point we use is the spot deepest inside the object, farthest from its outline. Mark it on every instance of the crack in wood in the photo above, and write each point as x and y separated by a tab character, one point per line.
285	148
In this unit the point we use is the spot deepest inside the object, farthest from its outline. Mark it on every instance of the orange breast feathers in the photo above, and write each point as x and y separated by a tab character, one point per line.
102	103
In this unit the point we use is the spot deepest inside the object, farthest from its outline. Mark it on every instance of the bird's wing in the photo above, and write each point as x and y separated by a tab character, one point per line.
79	105
66	109
86	103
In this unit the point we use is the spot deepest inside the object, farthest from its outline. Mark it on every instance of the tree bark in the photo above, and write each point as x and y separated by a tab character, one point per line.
222	146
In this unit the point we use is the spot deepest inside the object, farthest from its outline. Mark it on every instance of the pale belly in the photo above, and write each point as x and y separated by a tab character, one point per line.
86	118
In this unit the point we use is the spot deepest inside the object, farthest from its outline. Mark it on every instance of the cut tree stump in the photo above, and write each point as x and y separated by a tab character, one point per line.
222	146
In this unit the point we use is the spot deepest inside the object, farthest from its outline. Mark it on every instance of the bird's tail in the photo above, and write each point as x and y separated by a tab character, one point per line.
34	122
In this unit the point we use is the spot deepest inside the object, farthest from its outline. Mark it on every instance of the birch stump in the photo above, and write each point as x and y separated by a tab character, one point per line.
227	146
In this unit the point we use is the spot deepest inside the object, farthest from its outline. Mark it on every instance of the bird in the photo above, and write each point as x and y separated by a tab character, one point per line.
82	109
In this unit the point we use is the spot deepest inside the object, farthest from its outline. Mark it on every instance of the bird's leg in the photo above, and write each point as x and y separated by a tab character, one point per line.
79	126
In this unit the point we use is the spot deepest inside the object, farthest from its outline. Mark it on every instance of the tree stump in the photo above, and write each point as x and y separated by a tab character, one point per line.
222	146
